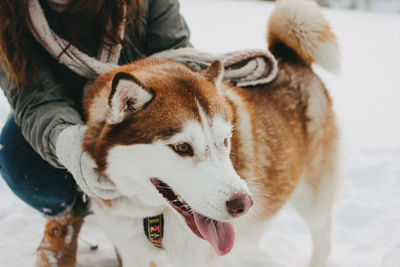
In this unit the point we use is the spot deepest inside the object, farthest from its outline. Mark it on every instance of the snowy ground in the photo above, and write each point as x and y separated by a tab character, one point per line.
366	95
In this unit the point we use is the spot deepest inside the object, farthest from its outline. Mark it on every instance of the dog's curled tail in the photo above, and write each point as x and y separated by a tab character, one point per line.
300	26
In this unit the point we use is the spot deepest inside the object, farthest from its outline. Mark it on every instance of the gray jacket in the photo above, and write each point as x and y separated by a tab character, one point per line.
44	109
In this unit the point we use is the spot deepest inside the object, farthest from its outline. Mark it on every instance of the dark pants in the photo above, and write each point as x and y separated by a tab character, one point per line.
32	179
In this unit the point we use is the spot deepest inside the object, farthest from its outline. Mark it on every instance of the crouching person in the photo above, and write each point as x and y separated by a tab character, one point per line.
49	50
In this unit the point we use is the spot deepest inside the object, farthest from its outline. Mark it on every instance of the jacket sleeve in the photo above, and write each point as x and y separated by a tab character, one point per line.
166	28
41	110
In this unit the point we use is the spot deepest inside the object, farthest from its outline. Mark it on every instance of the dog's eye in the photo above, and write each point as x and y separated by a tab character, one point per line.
183	149
226	142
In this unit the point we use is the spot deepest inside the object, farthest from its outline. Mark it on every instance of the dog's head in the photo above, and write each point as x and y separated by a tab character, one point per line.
162	133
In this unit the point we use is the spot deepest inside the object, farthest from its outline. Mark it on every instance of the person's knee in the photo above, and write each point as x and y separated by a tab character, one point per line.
35	181
8	134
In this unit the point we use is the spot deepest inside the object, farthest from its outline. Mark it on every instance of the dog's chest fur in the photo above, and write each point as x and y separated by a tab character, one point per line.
179	243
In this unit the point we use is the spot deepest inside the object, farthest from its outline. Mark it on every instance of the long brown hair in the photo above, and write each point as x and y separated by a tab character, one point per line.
88	16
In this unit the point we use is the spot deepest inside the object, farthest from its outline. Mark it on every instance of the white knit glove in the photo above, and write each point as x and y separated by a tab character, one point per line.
81	165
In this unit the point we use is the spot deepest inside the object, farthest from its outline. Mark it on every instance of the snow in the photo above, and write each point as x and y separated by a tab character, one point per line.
366	94
390	6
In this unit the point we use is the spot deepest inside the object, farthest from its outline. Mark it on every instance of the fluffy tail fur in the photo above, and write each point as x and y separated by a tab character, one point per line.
300	26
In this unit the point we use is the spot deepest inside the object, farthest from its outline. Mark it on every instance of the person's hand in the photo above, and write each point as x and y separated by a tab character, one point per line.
81	165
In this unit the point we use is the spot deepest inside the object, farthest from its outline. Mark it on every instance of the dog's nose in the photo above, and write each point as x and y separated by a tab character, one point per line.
239	204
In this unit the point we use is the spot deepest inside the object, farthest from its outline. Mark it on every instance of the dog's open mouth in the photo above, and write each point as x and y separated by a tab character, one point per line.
220	235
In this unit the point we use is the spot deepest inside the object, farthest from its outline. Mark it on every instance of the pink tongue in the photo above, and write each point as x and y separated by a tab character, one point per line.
221	235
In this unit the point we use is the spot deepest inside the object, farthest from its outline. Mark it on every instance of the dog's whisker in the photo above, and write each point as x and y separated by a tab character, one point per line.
262	195
255	183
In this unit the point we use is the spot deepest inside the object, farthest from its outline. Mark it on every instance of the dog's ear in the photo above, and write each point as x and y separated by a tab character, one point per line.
128	95
215	71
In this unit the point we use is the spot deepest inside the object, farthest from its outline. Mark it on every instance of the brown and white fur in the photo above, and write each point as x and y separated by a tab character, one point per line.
277	143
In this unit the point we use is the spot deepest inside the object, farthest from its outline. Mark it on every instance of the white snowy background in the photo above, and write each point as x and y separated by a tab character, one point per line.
366	96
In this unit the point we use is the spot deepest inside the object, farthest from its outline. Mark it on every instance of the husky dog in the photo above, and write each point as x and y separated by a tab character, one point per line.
207	159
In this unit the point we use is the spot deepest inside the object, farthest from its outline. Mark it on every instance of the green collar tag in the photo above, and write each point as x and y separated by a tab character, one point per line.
154	229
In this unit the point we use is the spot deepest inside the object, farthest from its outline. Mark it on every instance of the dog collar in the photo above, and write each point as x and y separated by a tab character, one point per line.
154	229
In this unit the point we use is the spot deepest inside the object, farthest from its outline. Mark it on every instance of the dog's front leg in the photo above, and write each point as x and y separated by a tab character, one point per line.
129	259
127	235
133	249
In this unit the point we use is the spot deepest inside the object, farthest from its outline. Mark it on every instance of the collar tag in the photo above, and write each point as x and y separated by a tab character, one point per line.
154	229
